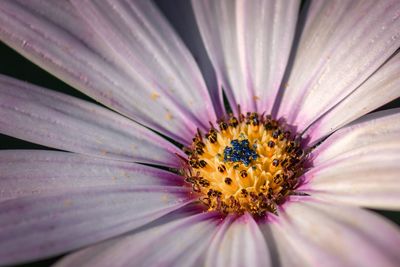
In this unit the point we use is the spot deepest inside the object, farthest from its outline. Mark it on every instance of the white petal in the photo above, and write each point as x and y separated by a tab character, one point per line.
41	116
373	129
283	254
249	44
342	44
37	227
181	17
139	36
238	243
142	71
359	164
37	172
328	235
177	243
381	88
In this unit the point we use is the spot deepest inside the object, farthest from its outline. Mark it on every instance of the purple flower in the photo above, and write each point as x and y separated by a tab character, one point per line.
282	181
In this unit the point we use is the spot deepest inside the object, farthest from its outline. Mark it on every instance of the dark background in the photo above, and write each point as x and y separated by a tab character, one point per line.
12	64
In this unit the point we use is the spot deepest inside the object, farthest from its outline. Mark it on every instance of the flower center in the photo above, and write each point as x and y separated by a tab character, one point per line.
251	163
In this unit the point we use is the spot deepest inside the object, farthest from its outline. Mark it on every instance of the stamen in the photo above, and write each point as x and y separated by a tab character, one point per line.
228	180
221	168
252	163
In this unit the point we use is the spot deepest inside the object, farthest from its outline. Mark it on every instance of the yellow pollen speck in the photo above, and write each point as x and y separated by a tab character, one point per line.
256	98
154	96
165	198
67	203
168	116
250	163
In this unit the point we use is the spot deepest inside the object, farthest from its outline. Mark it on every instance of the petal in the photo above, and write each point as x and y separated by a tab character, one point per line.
368	178
157	246
181	17
330	235
37	227
381	88
375	128
249	44
60	121
283	254
358	164
36	172
237	244
342	44
142	71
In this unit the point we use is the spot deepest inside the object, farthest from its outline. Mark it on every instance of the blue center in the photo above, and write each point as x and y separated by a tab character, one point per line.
240	151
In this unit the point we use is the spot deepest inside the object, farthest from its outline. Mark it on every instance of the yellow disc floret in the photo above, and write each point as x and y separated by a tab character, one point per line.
251	163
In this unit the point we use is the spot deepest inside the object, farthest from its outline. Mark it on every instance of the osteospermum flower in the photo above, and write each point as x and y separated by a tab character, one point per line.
278	181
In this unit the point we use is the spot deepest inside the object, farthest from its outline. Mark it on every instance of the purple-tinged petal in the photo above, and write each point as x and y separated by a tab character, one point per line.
37	227
282	253
249	45
37	172
359	164
143	71
367	177
342	44
181	242
139	36
381	88
381	127
334	236
181	16
56	120
238	243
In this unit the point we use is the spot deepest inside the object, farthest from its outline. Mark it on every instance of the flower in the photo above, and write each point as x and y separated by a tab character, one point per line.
110	193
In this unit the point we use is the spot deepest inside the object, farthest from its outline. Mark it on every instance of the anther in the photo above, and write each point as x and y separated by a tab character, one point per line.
228	180
194	163
285	163
268	126
278	179
244	192
187	151
299	152
271	144
275	162
190	179
200	144
276	134
204	183
223	126
221	168
199	151
253	118
233	122
212	136
202	163
287	134
210	192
